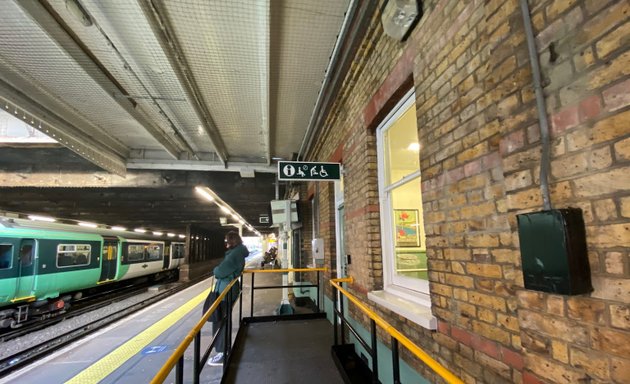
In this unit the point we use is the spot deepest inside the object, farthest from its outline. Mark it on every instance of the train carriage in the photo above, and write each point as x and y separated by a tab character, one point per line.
44	266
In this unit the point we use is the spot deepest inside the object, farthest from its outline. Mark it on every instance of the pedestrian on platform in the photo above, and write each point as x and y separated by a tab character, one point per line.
230	268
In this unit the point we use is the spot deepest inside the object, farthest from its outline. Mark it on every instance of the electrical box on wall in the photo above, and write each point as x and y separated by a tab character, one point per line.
318	251
553	251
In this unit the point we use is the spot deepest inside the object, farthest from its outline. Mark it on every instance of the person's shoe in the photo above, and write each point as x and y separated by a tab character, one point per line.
216	359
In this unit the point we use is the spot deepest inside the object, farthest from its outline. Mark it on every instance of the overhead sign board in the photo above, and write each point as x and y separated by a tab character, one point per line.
312	171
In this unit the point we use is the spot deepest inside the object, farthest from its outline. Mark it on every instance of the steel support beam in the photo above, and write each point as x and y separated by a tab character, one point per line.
165	34
62	36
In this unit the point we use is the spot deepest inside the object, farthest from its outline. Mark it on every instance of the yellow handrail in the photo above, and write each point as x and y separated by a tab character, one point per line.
190	337
417	351
285	270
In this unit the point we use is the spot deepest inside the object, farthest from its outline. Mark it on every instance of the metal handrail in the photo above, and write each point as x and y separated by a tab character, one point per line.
285	270
190	337
438	368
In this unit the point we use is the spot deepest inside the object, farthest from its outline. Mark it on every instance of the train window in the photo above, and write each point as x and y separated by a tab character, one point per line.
154	251
178	251
135	252
26	254
6	256
72	255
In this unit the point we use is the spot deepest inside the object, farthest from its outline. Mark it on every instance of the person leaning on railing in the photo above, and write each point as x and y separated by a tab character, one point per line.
230	267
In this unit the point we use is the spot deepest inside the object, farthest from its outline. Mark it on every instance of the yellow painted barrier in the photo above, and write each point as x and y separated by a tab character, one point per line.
402	339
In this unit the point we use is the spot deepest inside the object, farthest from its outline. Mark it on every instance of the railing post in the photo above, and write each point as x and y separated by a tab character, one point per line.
374	352
251	298
342	318
179	371
240	302
228	330
395	361
318	301
334	313
196	358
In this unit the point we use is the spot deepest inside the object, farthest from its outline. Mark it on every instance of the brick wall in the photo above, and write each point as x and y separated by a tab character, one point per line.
478	128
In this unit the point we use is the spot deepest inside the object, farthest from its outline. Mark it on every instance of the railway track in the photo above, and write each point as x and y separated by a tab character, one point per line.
29	355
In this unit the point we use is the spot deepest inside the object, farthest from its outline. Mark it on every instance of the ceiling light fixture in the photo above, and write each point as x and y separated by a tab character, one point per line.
89	225
182	236
170	234
117	228
205	192
140	230
42	218
158	233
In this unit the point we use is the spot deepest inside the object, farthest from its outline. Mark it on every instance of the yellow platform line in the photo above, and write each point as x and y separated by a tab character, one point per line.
108	364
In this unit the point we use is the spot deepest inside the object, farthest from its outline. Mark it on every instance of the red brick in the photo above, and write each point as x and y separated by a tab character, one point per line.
461	335
617	96
490	348
530	378
444	327
565	119
512	358
589	108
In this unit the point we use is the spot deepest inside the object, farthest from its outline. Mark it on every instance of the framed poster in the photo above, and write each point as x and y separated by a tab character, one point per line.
407	231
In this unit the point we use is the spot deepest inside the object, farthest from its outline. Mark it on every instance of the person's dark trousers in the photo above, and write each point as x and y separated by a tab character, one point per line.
219	346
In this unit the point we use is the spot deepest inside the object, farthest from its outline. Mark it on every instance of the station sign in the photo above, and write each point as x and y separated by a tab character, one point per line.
308	171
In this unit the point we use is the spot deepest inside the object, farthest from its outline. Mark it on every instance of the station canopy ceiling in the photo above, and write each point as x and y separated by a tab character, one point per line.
147	99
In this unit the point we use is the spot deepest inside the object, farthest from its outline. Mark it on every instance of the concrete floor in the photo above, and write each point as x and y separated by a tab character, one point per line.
287	351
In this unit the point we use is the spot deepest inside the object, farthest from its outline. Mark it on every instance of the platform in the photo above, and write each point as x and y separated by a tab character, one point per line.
135	348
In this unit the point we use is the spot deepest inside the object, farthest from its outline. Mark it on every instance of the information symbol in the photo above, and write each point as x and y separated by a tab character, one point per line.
288	170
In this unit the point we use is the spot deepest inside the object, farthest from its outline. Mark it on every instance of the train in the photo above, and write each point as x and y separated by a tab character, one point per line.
44	267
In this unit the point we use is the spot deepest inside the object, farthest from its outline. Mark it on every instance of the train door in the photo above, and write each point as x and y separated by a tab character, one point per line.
26	270
168	255
109	259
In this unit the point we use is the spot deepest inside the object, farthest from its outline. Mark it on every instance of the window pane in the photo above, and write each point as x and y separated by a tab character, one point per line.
135	252
73	255
6	256
154	251
26	255
401	147
408	231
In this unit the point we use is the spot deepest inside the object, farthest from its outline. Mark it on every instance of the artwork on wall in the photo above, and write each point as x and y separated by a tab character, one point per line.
407	227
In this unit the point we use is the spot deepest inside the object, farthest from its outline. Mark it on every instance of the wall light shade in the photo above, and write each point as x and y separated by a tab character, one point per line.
399	17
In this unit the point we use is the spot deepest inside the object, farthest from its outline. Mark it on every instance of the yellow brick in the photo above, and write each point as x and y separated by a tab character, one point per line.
557	7
527	199
617	69
488	301
605	209
622	149
485	270
560	351
625	207
613	41
603	183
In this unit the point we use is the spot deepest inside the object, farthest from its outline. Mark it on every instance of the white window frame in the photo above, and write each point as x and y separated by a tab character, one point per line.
398	294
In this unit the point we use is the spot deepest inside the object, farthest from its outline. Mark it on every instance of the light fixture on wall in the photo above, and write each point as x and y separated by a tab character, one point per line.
399	17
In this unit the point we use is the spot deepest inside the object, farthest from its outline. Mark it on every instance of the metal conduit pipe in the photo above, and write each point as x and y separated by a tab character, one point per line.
543	122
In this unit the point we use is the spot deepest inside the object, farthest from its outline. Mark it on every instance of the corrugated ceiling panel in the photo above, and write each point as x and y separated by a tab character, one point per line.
225	44
41	61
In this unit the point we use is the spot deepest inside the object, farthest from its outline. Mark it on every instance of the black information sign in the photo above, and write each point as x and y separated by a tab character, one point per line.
303	170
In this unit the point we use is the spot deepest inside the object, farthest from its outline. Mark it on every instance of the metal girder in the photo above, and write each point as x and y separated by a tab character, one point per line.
185	165
64	39
166	37
59	129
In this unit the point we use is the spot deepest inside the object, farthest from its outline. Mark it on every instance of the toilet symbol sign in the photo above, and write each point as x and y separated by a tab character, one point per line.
304	170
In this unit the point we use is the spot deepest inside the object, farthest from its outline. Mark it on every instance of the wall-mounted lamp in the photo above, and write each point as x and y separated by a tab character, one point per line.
399	17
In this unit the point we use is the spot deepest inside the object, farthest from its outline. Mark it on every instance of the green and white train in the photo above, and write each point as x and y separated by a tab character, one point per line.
45	266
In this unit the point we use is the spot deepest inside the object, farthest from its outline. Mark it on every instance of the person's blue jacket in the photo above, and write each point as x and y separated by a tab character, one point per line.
231	266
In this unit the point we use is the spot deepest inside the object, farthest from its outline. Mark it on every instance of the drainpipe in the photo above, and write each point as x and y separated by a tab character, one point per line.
543	122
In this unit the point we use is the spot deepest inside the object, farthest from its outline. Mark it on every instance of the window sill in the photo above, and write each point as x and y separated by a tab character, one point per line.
414	309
